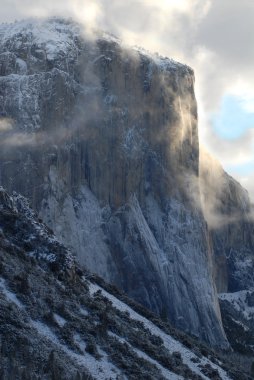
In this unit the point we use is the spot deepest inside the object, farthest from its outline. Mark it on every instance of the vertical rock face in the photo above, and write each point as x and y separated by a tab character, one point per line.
104	142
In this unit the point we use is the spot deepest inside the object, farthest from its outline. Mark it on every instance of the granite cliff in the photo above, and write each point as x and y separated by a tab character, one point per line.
103	140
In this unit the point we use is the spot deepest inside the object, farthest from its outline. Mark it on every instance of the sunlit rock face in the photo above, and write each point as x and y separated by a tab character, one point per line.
103	140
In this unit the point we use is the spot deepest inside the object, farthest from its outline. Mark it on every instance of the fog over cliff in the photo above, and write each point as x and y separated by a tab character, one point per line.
196	32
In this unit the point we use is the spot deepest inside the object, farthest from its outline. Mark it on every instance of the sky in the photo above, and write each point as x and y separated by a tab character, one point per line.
214	37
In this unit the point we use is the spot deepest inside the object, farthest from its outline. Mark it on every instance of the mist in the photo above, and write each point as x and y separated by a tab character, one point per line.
5	124
214	37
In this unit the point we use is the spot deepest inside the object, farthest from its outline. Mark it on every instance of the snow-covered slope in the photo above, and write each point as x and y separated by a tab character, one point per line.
57	322
238	319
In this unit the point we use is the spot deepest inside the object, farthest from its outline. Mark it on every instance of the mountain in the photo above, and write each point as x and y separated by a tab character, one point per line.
103	141
60	322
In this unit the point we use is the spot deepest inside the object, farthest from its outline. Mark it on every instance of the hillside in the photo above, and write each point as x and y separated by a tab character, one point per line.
59	322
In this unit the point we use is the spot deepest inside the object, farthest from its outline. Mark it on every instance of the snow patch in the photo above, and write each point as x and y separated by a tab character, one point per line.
59	320
101	369
170	343
165	372
53	36
10	296
22	66
83	311
239	301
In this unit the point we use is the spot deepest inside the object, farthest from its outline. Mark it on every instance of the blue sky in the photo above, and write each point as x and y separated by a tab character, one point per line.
232	119
233	124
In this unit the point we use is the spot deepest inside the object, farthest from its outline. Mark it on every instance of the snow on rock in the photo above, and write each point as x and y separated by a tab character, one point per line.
52	37
166	373
77	223
100	369
31	232
59	320
170	343
83	311
10	296
239	301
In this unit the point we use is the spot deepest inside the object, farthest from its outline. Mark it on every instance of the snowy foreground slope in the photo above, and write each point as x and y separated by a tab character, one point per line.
58	322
